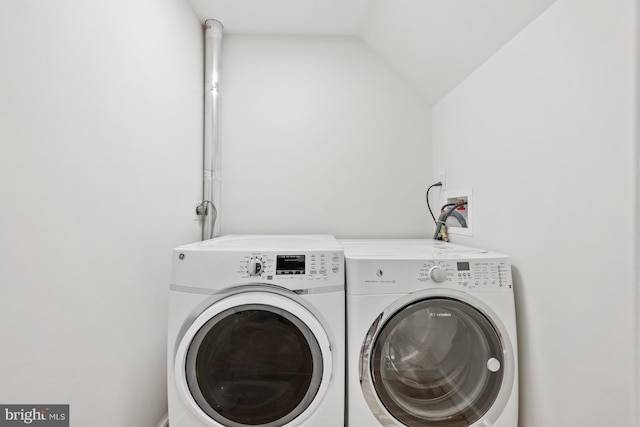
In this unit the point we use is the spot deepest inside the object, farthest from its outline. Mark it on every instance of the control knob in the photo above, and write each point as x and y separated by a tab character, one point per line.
255	266
438	274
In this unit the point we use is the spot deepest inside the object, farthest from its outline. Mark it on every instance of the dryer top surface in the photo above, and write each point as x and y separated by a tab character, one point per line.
265	242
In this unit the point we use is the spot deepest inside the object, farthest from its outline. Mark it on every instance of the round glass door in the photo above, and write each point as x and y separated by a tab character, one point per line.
254	365
437	362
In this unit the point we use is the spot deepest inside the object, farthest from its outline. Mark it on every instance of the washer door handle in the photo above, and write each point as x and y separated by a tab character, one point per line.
493	364
367	344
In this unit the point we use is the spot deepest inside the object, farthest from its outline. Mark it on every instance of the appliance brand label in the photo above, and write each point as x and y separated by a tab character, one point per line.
440	314
34	415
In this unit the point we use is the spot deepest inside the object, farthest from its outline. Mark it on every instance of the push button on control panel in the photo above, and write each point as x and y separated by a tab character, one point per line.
483	275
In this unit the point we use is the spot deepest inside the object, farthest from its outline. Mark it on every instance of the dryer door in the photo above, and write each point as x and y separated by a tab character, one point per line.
436	362
254	359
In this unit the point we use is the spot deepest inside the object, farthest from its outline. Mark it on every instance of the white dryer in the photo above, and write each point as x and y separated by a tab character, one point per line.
257	333
431	333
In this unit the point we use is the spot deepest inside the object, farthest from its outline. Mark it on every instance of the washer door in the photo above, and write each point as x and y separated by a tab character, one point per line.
437	362
254	359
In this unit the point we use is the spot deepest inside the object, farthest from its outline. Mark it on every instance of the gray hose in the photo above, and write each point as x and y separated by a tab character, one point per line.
457	215
441	223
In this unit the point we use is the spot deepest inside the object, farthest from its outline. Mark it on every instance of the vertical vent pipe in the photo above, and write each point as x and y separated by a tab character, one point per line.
211	184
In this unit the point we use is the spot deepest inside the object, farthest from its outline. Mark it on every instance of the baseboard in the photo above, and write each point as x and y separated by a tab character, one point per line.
164	422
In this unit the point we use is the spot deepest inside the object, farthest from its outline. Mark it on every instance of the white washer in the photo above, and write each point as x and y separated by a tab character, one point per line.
431	335
257	332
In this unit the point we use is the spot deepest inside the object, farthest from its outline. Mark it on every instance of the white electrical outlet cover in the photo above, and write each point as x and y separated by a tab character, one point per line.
442	177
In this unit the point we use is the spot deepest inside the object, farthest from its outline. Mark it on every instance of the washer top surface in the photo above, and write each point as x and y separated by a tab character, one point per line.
257	242
411	249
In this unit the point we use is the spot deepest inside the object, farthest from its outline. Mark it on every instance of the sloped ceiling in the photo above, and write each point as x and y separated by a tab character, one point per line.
434	44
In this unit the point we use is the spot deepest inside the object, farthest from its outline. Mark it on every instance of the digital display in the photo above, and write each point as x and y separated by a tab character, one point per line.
463	266
290	264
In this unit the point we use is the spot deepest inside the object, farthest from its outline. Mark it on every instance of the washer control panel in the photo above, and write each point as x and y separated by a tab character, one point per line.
291	266
470	274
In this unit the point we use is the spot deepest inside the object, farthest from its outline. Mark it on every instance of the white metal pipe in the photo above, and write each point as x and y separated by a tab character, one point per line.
212	183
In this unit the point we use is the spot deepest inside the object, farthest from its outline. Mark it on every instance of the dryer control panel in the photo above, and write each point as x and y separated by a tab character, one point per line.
295	262
300	266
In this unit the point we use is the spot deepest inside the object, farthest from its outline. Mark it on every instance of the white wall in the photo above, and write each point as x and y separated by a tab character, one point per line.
637	210
544	134
320	136
100	132
100	129
436	44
